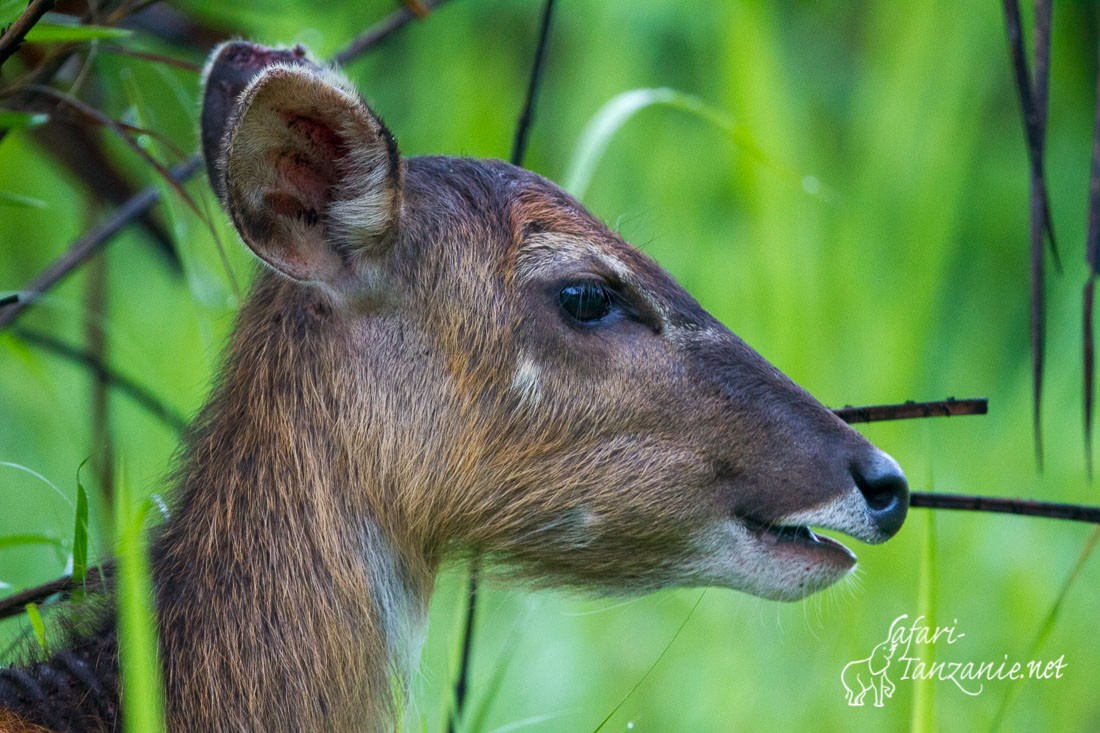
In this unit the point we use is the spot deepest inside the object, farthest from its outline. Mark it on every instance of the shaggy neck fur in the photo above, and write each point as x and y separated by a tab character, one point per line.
283	602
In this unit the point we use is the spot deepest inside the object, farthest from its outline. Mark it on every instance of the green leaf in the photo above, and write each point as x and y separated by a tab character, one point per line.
12	120
80	533
10	10
60	32
36	624
22	540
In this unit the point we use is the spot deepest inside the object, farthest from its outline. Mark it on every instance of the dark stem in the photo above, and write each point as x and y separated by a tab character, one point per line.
17	31
1023	507
380	31
1040	88
140	395
1041	76
913	410
462	682
13	604
1089	348
9	300
1033	103
1092	256
1034	118
527	116
93	240
1037	318
95	336
519	151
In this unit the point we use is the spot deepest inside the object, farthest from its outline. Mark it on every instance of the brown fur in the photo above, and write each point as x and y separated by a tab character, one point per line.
403	386
12	723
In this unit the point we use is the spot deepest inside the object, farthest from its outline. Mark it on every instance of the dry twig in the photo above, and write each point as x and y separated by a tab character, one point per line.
17	31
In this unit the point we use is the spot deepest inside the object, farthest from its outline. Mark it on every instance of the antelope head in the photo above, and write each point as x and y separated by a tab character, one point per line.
506	377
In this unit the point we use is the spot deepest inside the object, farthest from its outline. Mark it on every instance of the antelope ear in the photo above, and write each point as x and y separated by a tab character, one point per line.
312	178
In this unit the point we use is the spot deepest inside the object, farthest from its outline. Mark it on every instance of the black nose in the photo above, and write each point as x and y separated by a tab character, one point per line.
885	490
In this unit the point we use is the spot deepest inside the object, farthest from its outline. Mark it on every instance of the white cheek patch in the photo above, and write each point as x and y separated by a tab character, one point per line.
574	528
567	530
527	380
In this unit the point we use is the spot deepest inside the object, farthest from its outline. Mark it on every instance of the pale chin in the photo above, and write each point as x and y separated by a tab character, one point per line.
732	554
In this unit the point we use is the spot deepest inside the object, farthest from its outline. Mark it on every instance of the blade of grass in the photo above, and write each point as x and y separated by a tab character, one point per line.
56	32
924	692
37	624
142	701
1047	626
488	692
80	536
155	58
653	666
529	722
24	540
8	198
620	109
40	477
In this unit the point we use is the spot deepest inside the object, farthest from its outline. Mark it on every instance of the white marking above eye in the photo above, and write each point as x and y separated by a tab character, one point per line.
541	252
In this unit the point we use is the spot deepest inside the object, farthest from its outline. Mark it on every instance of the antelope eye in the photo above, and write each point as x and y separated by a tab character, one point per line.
585	302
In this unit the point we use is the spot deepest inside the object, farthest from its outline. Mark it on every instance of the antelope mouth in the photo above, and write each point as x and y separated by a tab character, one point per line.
801	541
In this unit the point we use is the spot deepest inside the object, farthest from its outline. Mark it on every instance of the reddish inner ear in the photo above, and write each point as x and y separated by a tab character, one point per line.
290	207
308	168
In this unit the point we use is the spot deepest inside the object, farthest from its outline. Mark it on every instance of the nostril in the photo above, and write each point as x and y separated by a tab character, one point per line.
881	491
885	490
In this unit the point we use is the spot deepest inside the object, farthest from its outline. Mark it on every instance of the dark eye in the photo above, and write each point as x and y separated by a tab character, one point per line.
586	302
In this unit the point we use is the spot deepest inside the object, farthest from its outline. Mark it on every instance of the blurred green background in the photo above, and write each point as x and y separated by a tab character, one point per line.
871	241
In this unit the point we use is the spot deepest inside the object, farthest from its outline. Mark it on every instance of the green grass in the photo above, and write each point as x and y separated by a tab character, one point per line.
142	705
